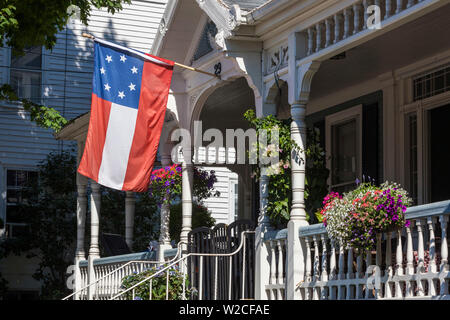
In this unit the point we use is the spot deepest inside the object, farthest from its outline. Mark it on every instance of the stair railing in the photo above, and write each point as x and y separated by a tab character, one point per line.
183	261
104	288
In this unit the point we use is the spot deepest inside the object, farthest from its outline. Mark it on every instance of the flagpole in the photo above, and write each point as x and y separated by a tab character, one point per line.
90	36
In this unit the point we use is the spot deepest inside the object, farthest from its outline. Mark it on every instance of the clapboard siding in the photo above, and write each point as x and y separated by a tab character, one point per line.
220	206
67	79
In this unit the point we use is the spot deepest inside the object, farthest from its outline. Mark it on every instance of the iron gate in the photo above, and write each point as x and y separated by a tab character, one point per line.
237	283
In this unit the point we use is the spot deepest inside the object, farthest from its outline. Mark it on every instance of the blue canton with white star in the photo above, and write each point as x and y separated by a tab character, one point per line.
117	76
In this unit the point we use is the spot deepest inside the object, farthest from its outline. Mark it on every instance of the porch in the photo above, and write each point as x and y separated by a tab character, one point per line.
376	98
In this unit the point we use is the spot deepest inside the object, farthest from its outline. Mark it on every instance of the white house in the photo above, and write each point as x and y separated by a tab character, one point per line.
379	94
372	76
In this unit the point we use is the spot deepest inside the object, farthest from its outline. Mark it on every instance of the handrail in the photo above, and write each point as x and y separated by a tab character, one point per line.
121	267
185	258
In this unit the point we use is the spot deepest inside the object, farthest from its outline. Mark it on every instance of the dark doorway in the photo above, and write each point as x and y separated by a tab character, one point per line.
439	140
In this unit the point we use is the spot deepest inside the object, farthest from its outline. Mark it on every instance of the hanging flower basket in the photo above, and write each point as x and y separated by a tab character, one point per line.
355	218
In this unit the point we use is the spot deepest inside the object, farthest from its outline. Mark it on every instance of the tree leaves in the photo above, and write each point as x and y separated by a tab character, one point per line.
25	23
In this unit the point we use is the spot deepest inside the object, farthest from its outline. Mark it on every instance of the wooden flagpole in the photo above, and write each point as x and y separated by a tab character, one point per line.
90	36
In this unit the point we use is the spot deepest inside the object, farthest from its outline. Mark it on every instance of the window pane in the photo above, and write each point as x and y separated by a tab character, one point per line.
32	59
27	84
344	148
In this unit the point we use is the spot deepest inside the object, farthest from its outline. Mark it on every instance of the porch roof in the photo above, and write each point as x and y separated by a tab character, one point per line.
75	129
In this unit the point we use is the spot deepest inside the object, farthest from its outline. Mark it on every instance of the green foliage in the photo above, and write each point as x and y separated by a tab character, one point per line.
44	117
26	23
201	217
280	190
159	284
50	216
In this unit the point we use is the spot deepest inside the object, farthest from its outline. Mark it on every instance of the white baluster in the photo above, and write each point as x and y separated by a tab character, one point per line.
421	255
367	274
316	266
444	254
337	27
280	244
356	17
399	264
332	269
346	23
308	268
310	41
388	271
432	252
378	259
350	273
388	9
399	6
366	14
318	36
328	27
359	264
324	273
410	3
273	266
341	271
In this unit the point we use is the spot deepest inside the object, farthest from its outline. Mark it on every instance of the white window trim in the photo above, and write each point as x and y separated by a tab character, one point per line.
337	118
4	190
41	71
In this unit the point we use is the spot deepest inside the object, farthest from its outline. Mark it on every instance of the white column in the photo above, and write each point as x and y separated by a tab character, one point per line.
81	220
81	223
94	250
164	236
262	263
299	81
187	182
130	205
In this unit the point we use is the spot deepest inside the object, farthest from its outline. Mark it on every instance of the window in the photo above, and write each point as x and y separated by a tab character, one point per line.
16	194
26	74
343	145
432	83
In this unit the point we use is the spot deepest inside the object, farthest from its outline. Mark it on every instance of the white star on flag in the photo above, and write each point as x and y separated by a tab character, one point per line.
131	86
134	69
107	87
121	95
108	58
102	70
123	58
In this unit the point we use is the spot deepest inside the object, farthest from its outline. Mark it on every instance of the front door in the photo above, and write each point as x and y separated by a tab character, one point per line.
439	154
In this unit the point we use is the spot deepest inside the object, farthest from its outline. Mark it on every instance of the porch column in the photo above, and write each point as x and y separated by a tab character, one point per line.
130	205
94	250
299	81
164	236
187	182
81	223
295	248
262	265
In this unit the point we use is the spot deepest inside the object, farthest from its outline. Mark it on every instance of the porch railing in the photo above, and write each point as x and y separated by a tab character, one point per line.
108	273
411	263
276	242
352	20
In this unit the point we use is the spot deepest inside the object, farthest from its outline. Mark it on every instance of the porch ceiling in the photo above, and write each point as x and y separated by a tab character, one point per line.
409	43
225	107
180	35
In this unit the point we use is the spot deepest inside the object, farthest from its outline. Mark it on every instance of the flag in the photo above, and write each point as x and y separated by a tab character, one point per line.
129	99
